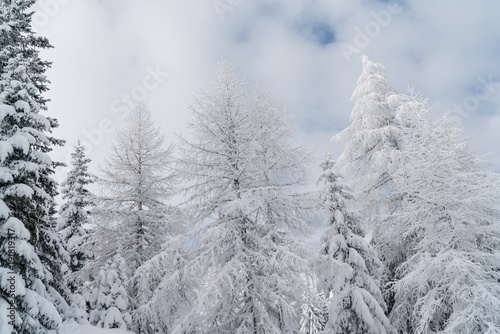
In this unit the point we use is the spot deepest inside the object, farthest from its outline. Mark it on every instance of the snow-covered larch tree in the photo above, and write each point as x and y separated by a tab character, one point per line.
379	121
370	139
449	282
109	299
136	181
32	255
75	211
241	172
349	268
391	238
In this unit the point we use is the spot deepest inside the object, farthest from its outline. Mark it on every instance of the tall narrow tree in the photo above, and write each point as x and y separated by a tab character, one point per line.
32	254
370	139
136	182
75	211
369	159
391	238
350	269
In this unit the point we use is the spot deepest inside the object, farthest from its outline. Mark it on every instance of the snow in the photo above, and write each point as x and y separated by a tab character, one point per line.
20	190
4	317
5	150
4	210
5	27
43	158
5	172
6	110
41	119
5	282
21	141
23	105
15	224
39	306
72	327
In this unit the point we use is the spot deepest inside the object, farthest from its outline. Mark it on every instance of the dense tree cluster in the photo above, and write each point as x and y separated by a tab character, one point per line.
433	208
410	240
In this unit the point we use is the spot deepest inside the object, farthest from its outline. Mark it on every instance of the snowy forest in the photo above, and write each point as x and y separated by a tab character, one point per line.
409	216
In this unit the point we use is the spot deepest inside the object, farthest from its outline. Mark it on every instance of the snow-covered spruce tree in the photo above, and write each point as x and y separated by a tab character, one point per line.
370	139
449	282
109	299
241	172
349	268
32	255
74	213
135	181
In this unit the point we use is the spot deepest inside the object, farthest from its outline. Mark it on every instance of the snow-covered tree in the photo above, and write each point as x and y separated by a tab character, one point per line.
78	309
449	281
241	172
438	231
164	294
109	299
314	317
370	139
380	119
74	212
136	181
390	236
349	267
32	255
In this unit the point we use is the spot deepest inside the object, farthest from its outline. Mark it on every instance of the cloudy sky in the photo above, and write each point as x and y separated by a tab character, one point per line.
108	53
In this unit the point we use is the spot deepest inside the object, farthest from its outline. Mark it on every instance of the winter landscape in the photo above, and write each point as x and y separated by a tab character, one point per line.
290	183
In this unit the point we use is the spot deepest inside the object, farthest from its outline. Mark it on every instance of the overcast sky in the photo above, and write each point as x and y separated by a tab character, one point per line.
106	53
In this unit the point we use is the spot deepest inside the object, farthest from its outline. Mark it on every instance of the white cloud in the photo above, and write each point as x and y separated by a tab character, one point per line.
102	49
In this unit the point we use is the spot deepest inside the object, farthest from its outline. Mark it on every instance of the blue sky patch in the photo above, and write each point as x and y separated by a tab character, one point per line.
316	31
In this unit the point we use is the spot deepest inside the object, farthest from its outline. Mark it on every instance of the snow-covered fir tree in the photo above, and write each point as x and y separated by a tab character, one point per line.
109	299
241	172
75	211
449	281
136	181
32	255
349	268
